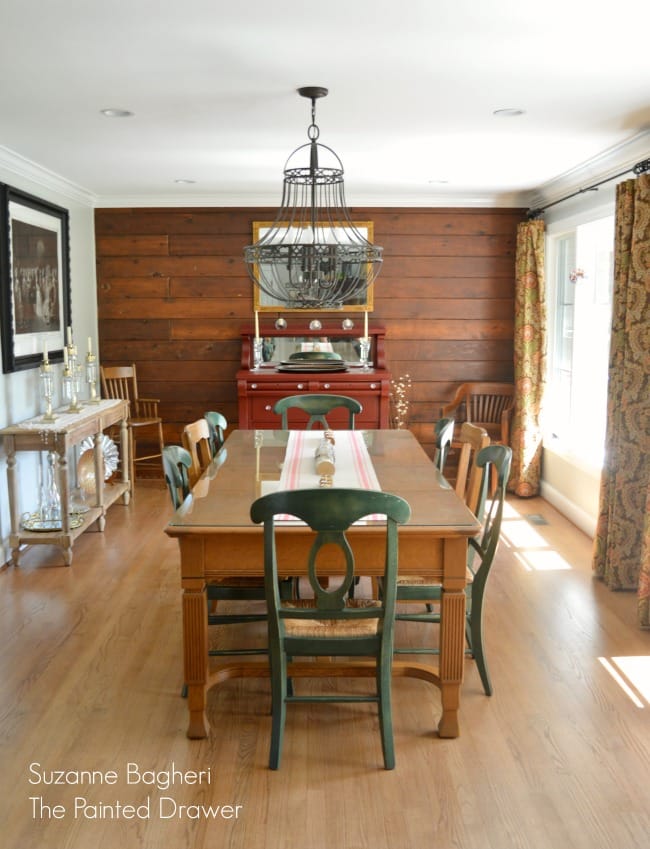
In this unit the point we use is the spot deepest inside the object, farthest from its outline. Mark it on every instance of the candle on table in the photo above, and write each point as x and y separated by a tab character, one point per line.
69	335
65	356
90	345
44	351
257	325
365	325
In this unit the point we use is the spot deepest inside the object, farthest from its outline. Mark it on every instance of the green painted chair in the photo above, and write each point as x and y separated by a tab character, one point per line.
332	623
317	408
444	433
218	425
177	463
480	557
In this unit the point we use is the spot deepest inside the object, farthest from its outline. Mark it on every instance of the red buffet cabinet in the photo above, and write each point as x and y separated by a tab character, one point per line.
259	389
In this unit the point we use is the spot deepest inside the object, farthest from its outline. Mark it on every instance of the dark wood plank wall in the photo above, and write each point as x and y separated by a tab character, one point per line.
173	292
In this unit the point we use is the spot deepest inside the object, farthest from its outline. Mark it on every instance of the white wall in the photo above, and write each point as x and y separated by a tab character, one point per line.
19	391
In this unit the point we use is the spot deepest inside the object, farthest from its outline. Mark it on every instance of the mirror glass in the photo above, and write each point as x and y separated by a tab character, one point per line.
276	349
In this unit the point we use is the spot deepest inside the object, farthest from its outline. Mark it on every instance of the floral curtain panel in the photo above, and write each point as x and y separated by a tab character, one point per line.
622	544
530	357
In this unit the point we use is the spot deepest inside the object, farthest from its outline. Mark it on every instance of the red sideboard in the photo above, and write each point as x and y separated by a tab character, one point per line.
259	389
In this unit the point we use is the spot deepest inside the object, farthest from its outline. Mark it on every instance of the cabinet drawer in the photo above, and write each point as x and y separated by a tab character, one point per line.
279	387
347	388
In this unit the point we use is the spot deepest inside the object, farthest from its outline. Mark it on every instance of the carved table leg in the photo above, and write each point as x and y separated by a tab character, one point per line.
452	636
195	651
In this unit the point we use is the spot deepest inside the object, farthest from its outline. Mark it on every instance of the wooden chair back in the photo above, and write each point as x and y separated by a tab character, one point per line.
469	476
489	405
196	440
317	407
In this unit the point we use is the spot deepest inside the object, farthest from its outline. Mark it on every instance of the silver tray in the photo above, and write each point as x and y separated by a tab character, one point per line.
322	367
34	523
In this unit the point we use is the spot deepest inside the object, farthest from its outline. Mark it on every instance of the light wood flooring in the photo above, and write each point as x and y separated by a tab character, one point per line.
90	665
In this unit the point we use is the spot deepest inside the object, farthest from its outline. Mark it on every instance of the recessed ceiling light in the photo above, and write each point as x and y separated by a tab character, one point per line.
438	182
509	112
117	113
185	182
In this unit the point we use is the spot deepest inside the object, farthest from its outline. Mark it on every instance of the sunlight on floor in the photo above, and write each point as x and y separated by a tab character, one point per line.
528	545
632	676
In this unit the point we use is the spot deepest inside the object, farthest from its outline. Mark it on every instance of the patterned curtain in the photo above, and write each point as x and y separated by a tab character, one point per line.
530	356
622	544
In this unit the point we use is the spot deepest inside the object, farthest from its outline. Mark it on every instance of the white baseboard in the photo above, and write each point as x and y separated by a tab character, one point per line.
580	518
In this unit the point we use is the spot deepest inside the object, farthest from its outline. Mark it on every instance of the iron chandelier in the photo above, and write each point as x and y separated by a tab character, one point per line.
313	256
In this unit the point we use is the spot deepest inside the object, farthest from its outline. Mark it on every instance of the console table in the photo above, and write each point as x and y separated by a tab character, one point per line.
67	430
259	389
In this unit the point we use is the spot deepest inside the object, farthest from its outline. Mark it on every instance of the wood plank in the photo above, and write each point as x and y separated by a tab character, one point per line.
176	308
447	308
407	244
133	245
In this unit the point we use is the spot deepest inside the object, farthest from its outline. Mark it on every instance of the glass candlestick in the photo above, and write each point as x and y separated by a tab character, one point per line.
71	379
47	388
258	353
50	508
364	352
91	378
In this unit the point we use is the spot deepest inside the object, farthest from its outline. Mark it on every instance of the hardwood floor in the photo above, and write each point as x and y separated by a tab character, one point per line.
90	658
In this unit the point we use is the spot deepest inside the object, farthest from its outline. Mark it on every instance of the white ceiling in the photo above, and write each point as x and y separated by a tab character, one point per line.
413	87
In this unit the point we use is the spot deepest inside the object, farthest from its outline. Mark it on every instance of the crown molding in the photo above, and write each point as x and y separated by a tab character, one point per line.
604	166
515	200
43	178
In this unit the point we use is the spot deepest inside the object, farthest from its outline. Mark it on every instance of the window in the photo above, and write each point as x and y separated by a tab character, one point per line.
580	276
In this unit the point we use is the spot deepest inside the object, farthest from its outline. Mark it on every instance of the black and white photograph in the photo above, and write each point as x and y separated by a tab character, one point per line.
36	298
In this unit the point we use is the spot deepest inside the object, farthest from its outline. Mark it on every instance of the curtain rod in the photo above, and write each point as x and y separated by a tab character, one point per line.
639	168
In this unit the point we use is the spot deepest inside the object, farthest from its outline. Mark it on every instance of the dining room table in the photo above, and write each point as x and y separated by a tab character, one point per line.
218	540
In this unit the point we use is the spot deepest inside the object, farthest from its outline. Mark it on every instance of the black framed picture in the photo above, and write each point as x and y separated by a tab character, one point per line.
34	280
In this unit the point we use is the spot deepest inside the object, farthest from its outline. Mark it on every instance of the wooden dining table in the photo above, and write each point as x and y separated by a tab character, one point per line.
217	539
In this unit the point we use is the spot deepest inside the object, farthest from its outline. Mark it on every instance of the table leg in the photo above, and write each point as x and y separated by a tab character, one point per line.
452	635
12	485
98	458
195	657
125	459
64	494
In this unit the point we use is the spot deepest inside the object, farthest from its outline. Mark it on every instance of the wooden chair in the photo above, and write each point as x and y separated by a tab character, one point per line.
489	405
331	624
196	441
316	407
218	426
479	562
468	475
121	382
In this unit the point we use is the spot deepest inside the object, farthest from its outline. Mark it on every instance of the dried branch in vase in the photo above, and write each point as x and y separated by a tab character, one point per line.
400	401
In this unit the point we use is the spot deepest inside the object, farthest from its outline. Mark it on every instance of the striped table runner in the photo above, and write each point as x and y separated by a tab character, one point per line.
353	466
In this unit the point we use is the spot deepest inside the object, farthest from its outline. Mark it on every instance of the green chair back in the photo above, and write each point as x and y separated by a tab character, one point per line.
218	425
317	407
444	433
176	464
480	558
332	623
